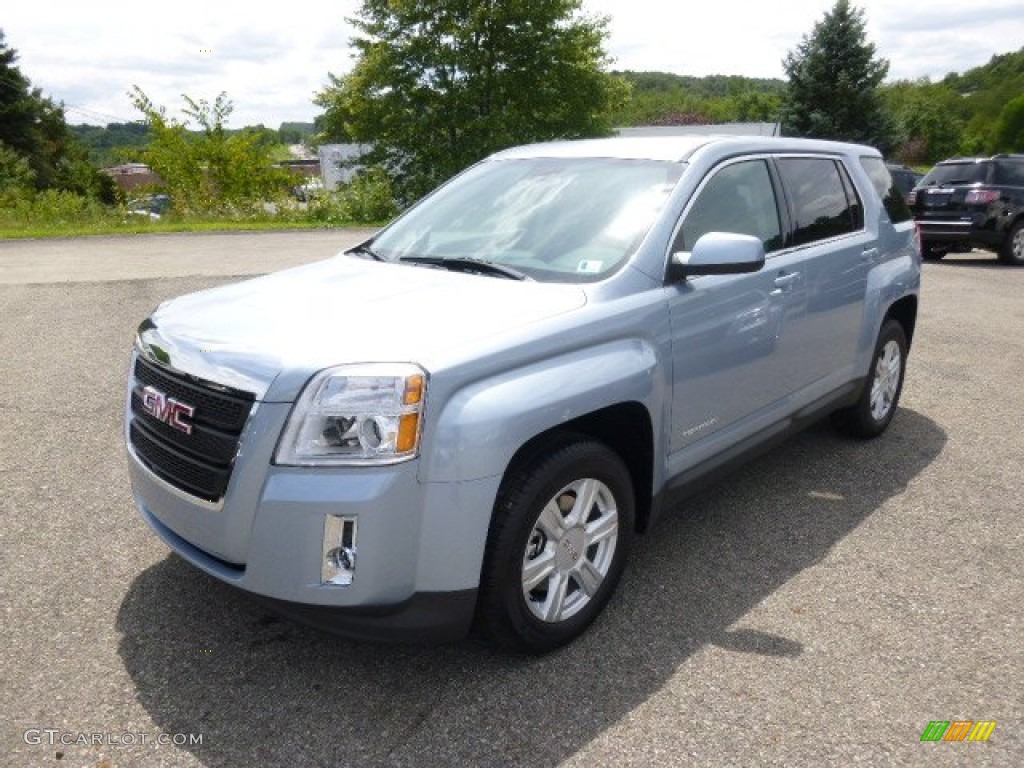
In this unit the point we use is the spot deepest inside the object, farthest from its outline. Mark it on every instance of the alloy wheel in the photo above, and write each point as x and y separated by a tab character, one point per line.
570	550
886	384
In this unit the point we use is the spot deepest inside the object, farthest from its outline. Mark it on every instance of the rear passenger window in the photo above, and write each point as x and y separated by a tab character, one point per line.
1010	173
892	199
739	198
820	204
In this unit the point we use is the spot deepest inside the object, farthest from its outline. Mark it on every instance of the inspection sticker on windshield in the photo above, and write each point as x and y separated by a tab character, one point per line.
590	267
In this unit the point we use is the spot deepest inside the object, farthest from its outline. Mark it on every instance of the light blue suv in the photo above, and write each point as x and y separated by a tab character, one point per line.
463	421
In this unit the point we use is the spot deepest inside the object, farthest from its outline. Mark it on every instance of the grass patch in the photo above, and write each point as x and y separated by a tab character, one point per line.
23	222
366	201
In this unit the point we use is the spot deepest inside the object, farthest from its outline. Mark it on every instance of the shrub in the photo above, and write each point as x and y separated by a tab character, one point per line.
366	199
50	208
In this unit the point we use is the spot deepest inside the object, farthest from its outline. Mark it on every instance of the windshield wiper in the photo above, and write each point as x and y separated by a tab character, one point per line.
366	250
468	264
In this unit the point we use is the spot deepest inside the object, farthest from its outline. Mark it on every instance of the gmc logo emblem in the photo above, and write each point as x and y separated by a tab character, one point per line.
168	410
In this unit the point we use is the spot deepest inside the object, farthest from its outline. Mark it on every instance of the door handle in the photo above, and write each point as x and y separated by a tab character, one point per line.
786	279
869	255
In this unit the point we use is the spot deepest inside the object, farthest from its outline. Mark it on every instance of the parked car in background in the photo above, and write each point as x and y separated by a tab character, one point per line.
904	178
308	190
465	419
972	202
151	206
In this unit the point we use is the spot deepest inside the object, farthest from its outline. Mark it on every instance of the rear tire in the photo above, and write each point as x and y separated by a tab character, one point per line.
1012	251
872	413
557	546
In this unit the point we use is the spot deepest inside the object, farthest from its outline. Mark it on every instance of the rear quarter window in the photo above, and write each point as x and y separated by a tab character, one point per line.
893	201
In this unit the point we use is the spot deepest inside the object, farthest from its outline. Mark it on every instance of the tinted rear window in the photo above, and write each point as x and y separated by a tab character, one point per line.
1010	173
956	173
888	190
821	208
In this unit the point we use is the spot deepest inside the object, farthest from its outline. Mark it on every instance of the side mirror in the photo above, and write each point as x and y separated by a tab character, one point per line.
719	253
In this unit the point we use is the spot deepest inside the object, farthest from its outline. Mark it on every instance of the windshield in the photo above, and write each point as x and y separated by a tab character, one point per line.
552	219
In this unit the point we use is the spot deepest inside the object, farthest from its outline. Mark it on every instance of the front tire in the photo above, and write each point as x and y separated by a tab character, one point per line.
557	547
872	413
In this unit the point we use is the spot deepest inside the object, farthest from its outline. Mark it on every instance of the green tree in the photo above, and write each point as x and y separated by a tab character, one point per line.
16	175
34	128
295	133
931	118
20	105
661	98
984	93
755	107
834	78
209	169
438	85
1009	130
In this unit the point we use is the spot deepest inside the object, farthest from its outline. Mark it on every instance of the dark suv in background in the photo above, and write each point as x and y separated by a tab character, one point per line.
972	202
904	178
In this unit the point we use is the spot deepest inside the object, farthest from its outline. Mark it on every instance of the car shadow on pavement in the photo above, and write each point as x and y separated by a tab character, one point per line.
264	691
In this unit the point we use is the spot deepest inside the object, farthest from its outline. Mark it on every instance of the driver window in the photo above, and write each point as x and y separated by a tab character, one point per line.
739	198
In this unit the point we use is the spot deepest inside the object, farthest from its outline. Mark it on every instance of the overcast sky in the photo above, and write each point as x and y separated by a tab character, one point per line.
271	58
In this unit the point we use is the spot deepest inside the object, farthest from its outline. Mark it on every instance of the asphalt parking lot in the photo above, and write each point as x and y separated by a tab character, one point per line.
817	608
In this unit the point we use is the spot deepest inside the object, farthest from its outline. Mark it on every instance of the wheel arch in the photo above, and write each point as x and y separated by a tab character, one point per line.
625	428
904	311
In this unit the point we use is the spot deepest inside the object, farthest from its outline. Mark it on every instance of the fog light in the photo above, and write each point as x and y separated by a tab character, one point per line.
338	566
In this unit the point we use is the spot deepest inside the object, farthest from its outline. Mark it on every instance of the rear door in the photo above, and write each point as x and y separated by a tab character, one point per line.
835	253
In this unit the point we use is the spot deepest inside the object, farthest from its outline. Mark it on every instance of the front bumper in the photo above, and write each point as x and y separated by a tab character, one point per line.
425	617
419	550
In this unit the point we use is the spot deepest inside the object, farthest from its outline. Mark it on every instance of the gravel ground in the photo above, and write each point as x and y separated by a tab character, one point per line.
818	607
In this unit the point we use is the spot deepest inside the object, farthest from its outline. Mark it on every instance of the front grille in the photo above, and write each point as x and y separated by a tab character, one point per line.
200	462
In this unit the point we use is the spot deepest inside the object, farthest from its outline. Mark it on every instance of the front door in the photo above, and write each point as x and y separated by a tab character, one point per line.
732	358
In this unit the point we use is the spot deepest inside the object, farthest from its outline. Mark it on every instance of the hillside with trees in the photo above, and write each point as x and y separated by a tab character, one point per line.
974	112
125	142
296	133
662	98
462	86
113	143
980	111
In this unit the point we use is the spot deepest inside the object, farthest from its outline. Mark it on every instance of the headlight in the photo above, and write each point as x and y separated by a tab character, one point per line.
356	414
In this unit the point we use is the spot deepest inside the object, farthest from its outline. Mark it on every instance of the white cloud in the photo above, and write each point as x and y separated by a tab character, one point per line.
269	59
752	37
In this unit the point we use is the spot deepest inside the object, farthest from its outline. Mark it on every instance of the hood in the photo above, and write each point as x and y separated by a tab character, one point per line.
342	310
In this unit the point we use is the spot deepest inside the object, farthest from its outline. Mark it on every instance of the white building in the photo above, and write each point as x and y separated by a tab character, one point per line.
339	163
